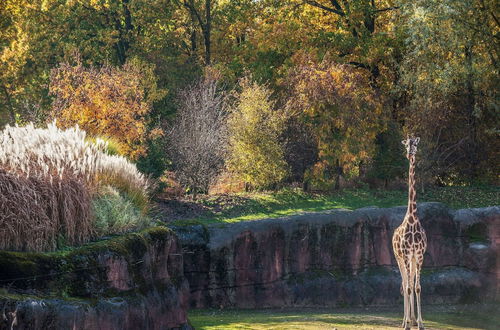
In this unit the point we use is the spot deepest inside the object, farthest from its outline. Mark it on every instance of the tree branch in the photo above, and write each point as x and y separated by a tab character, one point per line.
318	5
195	12
336	5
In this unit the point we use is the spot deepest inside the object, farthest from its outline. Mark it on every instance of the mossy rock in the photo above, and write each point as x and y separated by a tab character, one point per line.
79	272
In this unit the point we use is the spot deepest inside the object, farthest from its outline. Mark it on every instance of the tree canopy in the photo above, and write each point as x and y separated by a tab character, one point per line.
349	76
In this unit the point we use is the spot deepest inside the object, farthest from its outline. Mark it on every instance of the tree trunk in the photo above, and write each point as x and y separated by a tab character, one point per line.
470	104
305	186
338	172
123	45
12	113
207	31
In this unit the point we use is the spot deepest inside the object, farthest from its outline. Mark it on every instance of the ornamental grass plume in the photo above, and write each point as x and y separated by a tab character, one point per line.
47	180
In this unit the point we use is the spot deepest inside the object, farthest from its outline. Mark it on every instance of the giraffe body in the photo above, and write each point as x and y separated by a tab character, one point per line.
409	243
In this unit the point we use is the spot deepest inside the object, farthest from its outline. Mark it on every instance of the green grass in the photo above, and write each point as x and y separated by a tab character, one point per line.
116	213
254	206
435	317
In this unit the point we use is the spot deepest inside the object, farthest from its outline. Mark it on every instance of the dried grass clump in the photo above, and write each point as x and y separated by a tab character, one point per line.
34	214
47	180
51	152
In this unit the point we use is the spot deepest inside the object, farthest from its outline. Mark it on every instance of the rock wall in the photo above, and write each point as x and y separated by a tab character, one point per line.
147	280
131	282
340	258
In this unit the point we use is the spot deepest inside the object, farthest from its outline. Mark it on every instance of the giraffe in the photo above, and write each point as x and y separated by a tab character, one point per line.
409	243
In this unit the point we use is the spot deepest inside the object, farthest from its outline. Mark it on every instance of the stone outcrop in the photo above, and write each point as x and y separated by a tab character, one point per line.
131	282
340	258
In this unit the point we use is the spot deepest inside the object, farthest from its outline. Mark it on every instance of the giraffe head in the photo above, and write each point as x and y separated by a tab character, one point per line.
411	146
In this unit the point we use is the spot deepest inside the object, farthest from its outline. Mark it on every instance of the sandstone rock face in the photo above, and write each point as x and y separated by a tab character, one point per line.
148	280
131	282
340	258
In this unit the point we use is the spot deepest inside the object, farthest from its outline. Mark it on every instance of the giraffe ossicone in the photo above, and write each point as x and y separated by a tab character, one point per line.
409	243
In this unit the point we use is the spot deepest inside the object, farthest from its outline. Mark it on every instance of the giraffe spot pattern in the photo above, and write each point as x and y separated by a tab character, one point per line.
409	240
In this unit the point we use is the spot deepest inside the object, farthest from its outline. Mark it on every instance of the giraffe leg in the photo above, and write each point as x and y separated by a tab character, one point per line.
420	322
411	280
402	270
408	294
405	304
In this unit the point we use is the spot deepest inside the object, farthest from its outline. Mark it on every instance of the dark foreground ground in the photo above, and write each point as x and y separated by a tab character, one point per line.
478	316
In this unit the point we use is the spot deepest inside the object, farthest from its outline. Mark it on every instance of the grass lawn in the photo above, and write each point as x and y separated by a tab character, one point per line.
435	317
253	206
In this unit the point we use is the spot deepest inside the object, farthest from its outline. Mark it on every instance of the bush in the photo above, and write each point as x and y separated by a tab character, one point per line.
198	135
255	155
47	180
116	213
341	109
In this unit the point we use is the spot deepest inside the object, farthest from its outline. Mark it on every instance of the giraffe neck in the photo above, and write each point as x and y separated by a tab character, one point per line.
412	194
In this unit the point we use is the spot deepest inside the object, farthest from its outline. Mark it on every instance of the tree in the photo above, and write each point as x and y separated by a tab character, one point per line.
106	101
388	161
37	35
202	14
360	19
197	137
450	75
255	155
343	110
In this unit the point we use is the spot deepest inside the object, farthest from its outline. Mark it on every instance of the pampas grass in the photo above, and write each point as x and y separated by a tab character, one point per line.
54	153
48	178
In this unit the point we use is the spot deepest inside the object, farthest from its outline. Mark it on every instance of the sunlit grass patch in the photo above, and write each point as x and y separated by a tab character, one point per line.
260	205
435	317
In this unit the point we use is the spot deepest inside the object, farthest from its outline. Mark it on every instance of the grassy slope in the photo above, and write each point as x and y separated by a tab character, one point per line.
253	206
435	317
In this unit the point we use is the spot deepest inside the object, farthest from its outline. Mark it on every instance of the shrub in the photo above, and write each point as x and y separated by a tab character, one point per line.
48	178
197	136
116	213
255	155
342	110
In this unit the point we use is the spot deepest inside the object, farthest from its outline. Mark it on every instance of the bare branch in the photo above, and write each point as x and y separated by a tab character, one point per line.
198	135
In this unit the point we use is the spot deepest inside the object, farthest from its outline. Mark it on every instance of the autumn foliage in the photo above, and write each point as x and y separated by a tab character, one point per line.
106	101
350	77
255	155
339	104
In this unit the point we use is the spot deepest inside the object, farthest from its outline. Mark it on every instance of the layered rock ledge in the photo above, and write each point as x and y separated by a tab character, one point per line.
340	258
131	282
147	280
